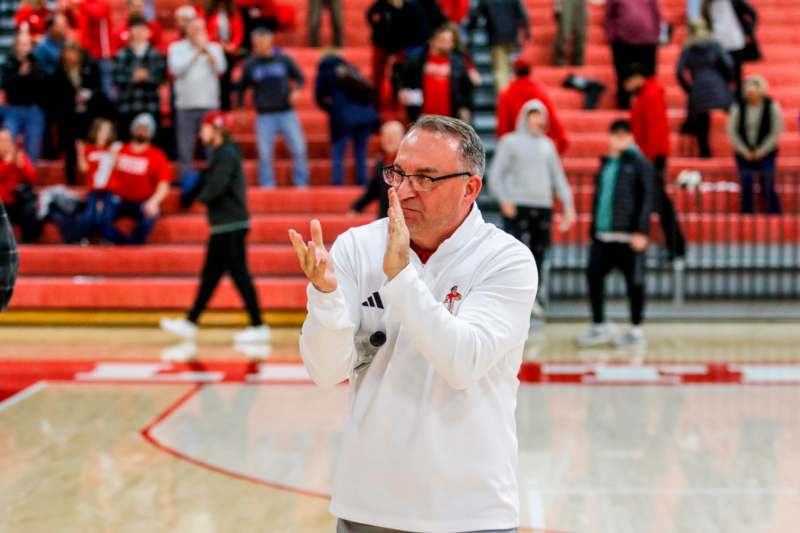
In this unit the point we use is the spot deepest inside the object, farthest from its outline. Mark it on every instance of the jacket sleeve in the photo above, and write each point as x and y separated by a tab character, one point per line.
121	71
295	73
493	318
9	259
324	85
680	71
498	172
503	125
560	183
327	340
647	184
179	59
216	178
770	143
158	68
220	63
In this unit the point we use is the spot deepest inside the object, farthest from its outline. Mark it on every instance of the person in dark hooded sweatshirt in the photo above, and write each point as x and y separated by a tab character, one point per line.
222	187
525	171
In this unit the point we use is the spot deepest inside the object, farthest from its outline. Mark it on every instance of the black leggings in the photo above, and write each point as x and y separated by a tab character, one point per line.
227	252
603	258
532	227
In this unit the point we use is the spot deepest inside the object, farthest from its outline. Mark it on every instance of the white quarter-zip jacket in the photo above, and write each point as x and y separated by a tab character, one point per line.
430	440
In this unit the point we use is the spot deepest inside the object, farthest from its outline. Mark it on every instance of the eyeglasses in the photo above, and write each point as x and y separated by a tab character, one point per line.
419	182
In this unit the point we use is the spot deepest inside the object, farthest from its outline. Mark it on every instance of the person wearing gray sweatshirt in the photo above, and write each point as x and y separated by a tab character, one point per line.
524	173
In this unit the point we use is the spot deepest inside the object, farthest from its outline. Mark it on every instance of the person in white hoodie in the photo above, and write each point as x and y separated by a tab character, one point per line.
525	171
426	314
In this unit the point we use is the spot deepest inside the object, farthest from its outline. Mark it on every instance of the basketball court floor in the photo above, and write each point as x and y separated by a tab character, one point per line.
700	432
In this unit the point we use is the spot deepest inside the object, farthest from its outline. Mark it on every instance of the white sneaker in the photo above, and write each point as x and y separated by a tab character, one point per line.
633	338
598	335
183	352
180	327
253	334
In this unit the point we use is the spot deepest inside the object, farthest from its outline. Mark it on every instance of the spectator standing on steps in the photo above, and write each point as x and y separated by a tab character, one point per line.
23	82
572	18
391	135
508	28
651	133
524	173
346	95
276	81
139	72
622	204
523	89
334	8
704	71
734	25
222	186
755	124
633	29
436	81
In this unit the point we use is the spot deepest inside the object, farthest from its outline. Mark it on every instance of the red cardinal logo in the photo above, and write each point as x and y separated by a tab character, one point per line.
452	297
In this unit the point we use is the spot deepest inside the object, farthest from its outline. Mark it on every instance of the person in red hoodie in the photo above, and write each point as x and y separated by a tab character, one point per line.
225	26
122	34
93	21
139	184
16	177
31	18
522	89
651	132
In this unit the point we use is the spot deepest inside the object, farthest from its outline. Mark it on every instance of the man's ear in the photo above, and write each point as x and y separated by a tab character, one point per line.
473	188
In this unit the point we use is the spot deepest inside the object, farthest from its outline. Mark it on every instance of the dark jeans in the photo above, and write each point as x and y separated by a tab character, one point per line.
360	137
699	125
673	236
30	121
532	226
605	257
765	168
315	19
626	55
116	208
90	220
24	215
227	252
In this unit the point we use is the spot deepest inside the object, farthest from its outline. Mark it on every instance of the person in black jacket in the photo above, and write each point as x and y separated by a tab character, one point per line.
76	100
392	134
734	25
346	95
508	28
397	25
9	258
222	186
436	81
22	82
623	203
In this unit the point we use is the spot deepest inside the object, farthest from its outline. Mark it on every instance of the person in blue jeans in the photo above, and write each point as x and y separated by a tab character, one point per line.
346	95
276	82
22	84
96	160
140	183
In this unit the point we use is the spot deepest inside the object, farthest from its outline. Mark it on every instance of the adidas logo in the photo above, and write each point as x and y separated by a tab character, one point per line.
373	301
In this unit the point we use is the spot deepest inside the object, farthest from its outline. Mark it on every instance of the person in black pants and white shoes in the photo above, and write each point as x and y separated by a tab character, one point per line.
222	187
623	203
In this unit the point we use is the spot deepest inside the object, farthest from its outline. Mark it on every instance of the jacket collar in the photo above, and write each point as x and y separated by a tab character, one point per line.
461	236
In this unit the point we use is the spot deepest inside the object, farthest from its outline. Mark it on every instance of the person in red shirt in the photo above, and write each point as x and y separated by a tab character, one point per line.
651	132
17	175
226	27
455	10
122	34
31	18
522	89
139	184
437	80
96	160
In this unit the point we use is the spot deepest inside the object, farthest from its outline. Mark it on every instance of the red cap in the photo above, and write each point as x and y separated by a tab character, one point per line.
218	119
521	64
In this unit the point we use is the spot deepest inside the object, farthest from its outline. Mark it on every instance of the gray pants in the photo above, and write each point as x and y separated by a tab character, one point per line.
572	23
344	526
315	19
187	127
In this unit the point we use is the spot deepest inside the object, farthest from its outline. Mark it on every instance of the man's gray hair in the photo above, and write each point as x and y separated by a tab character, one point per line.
471	151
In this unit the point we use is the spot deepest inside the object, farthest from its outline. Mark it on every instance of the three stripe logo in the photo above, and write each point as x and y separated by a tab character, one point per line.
373	301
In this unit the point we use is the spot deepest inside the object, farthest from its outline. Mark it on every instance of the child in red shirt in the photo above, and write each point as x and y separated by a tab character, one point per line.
16	171
139	184
96	160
